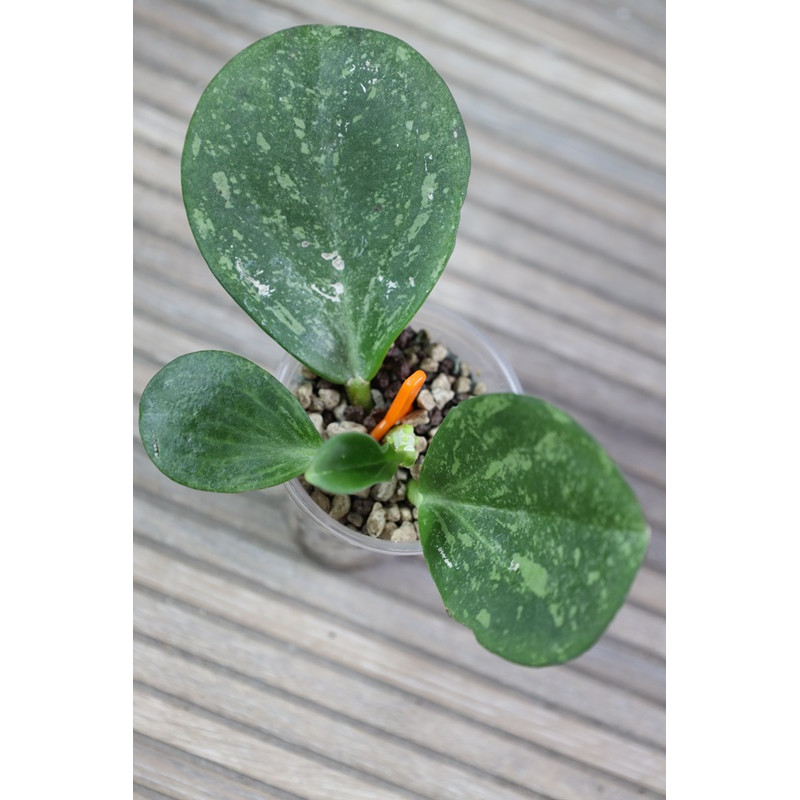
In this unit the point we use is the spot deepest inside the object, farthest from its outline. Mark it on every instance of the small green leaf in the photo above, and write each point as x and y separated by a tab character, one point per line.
323	175
215	421
531	533
349	462
402	442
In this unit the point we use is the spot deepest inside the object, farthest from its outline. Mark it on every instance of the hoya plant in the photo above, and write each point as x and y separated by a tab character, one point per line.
323	174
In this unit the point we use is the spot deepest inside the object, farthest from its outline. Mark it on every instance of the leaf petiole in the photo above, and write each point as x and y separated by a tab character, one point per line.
358	393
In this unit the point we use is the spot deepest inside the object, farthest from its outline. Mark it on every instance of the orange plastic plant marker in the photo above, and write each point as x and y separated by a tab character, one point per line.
401	404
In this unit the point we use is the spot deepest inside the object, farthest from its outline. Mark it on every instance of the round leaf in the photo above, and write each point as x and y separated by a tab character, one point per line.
531	533
215	421
323	175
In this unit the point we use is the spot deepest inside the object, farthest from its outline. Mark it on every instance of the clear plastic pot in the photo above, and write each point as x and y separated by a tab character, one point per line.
322	537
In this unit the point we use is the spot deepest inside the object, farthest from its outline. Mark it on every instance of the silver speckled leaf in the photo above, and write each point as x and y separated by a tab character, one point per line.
531	533
215	421
323	173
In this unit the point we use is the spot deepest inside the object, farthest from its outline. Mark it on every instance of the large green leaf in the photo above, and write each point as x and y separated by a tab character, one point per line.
531	533
323	174
215	421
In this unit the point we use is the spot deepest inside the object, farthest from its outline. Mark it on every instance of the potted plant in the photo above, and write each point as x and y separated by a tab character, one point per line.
317	525
323	175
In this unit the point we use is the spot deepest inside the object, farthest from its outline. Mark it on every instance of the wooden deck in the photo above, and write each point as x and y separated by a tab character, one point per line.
259	674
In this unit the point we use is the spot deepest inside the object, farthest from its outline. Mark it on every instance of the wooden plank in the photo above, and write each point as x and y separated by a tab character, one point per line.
187	777
570	344
398	715
539	248
180	21
480	108
552	35
656	556
516	91
143	793
640	628
615	23
520	202
157	127
248	753
634	672
649	590
526	165
491	44
609	321
591	159
355	743
420	621
468	695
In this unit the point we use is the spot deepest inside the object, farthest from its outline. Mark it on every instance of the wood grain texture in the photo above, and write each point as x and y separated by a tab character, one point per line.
260	674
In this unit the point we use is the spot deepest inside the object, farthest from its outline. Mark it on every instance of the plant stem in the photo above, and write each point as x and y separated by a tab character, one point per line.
413	494
358	393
